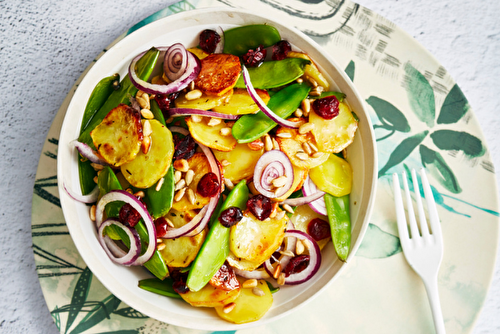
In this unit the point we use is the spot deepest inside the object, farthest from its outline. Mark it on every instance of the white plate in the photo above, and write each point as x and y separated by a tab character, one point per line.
122	281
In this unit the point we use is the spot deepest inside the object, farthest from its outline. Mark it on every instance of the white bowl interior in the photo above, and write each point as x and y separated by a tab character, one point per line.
122	281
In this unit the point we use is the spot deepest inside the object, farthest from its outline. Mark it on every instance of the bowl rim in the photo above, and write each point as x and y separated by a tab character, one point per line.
90	257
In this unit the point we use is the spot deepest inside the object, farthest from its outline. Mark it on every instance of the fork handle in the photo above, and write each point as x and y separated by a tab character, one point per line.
432	293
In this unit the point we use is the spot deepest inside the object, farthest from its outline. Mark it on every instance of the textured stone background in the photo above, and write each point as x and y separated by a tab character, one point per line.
45	45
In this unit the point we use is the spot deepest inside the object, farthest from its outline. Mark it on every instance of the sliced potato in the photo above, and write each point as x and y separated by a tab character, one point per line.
219	73
334	176
198	53
225	278
310	70
294	145
242	264
200	166
242	161
204	102
146	169
302	217
249	306
241	103
209	296
299	177
335	134
182	251
255	240
119	136
210	135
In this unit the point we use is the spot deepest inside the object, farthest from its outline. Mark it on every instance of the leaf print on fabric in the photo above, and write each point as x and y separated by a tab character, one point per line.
402	151
102	311
378	244
79	296
439	169
129	312
350	69
455	106
390	116
458	141
420	95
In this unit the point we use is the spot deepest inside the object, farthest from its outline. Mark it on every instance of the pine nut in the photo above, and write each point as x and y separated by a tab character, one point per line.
299	247
191	85
306	106
225	163
281	279
139	93
284	135
229	307
307	148
268	143
169	223
277	271
306	244
305	128
181	165
258	292
302	156
193	95
287	253
273	214
317	155
159	241
214	121
179	185
129	191
250	283
225	132
196	118
177	176
146	129
276	145
140	194
92	212
316	91
161	246
280	181
313	147
287	208
300	80
189	177
96	166
229	184
178	196
191	196
280	215
252	189
312	81
160	184
143	101
146	144
148	114
298	112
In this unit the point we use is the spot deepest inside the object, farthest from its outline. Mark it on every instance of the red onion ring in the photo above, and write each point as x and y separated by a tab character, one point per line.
310	189
188	112
262	105
290	243
175	61
271	165
121	195
192	70
89	198
125	259
87	152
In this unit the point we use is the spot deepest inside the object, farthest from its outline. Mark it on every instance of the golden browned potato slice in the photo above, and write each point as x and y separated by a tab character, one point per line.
219	73
302	217
182	251
198	53
211	136
251	305
119	136
239	162
242	264
210	296
310	70
200	166
146	169
241	103
335	134
293	147
255	240
225	278
299	177
205	102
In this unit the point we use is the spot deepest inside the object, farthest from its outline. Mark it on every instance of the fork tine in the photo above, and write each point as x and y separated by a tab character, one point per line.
400	211
431	204
411	214
421	214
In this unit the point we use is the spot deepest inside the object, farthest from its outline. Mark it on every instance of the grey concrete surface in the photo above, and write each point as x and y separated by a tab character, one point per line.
45	45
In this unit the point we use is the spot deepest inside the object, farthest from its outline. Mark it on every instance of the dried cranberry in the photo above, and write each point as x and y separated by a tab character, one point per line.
230	216
319	229
184	148
161	226
128	215
165	101
281	49
179	284
326	107
254	58
209	185
296	265
260	206
209	40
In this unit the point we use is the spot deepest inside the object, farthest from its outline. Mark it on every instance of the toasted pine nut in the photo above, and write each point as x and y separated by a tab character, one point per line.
96	166
229	184
229	307
287	208
161	246
276	146
92	212
225	132
146	129
302	156
196	118
177	176
146	144
306	244
281	279
159	241
298	112
148	114
280	181
268	143
258	292
317	155
214	121
169	223
191	196
273	214
159	184
179	185
306	106
181	165
139	93
193	95
306	148
312	81
129	191
300	80
284	135
313	147
178	196
305	128
191	85
225	163
280	215
250	283
140	194
287	253
299	247
189	177
316	91
277	271
143	102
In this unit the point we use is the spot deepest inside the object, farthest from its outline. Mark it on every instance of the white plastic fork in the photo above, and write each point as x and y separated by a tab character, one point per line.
422	248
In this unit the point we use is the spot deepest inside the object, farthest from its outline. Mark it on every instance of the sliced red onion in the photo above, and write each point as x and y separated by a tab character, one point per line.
188	112
314	260
310	189
220	46
175	62
262	105
257	273
290	243
126	259
192	70
304	200
87	152
179	129
271	165
123	196
89	198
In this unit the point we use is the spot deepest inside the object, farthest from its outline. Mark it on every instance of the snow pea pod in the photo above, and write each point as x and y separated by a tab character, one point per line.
215	249
340	223
275	73
160	287
237	41
251	127
157	113
145	67
160	201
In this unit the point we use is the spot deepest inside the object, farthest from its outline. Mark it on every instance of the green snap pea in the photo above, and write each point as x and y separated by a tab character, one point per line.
340	223
215	249
145	67
157	113
160	201
237	41
276	73
250	127
161	287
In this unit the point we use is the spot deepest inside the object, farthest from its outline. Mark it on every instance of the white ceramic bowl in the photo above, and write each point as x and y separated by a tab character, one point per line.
122	281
